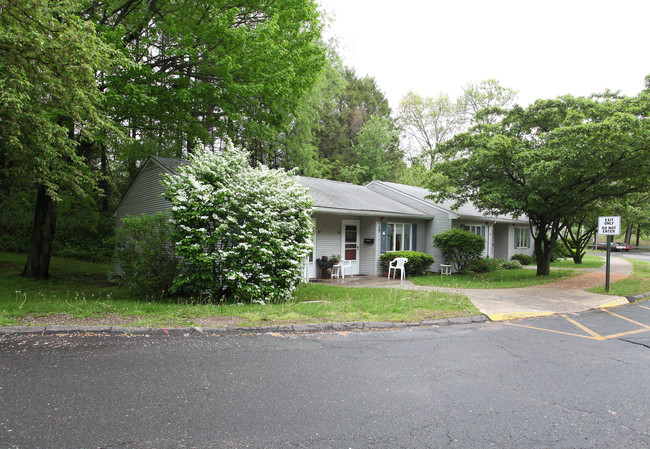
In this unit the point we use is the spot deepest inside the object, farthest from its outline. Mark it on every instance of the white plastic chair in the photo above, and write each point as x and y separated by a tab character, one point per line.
339	268
397	264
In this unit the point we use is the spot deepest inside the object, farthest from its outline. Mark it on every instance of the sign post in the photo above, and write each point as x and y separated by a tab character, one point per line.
608	226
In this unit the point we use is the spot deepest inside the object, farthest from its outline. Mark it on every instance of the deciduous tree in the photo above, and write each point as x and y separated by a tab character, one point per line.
49	103
210	69
550	161
481	102
427	122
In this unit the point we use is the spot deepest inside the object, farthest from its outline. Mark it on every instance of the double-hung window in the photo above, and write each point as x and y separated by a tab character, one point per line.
522	237
398	237
475	229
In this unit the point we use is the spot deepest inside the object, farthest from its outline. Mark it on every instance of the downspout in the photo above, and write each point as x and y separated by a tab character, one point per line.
490	235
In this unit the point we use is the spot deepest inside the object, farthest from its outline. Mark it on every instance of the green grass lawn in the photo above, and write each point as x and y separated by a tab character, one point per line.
588	261
638	282
80	290
523	277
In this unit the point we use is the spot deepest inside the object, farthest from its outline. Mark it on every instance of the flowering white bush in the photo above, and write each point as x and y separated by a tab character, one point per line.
242	233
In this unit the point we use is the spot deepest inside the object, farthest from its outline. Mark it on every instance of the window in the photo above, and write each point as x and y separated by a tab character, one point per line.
522	239
474	229
398	237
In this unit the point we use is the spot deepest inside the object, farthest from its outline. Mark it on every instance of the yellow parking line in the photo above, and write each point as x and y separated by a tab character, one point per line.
555	332
627	319
623	334
584	328
593	335
644	307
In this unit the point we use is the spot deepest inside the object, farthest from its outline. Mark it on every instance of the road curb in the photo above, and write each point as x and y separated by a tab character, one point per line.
620	301
638	297
188	331
518	315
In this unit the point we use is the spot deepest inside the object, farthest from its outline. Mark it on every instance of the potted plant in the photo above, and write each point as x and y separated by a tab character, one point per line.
324	266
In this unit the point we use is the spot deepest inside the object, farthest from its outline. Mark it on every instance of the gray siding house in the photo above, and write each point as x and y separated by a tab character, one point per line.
352	221
504	235
359	223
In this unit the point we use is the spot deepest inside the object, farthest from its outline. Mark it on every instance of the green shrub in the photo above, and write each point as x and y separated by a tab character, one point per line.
511	265
484	265
143	253
523	259
242	232
418	263
560	251
459	246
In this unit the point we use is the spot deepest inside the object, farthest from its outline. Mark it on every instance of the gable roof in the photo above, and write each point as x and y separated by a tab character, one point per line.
419	194
169	164
327	196
345	198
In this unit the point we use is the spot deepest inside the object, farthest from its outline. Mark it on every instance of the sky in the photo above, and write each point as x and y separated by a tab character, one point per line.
542	49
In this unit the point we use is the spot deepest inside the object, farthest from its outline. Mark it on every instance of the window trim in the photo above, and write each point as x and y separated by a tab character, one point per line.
476	227
406	236
522	231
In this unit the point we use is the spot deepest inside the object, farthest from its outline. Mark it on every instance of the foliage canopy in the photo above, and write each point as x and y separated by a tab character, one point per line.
550	161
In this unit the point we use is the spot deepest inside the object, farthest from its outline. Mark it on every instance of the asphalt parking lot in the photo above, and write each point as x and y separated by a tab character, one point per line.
630	323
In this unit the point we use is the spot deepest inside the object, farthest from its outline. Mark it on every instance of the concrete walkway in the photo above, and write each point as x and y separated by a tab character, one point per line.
509	303
558	297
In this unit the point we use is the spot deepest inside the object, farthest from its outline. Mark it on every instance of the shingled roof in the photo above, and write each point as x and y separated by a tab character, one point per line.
345	198
170	164
332	196
467	210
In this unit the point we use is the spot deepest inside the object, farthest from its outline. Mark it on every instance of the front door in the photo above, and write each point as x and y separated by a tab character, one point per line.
311	262
350	243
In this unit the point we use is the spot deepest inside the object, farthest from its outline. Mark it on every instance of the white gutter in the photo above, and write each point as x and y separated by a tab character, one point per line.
370	213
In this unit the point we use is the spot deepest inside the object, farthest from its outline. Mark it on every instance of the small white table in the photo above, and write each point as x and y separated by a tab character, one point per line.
445	269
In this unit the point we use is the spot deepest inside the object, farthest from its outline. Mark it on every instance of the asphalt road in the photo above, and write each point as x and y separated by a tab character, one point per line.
641	255
565	381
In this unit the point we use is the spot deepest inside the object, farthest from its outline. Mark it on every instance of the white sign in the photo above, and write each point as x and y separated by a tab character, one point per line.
609	225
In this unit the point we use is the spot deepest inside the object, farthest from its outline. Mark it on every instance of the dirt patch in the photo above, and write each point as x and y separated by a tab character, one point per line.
588	280
69	320
217	321
117	320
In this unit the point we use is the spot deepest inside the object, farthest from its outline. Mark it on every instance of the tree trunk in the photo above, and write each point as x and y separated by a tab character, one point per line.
638	234
577	257
40	248
104	183
543	251
628	233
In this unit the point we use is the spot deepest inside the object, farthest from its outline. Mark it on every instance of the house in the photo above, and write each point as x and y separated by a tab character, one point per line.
359	223
504	235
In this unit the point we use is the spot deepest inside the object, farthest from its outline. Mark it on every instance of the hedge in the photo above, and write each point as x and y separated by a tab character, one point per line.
418	263
523	259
